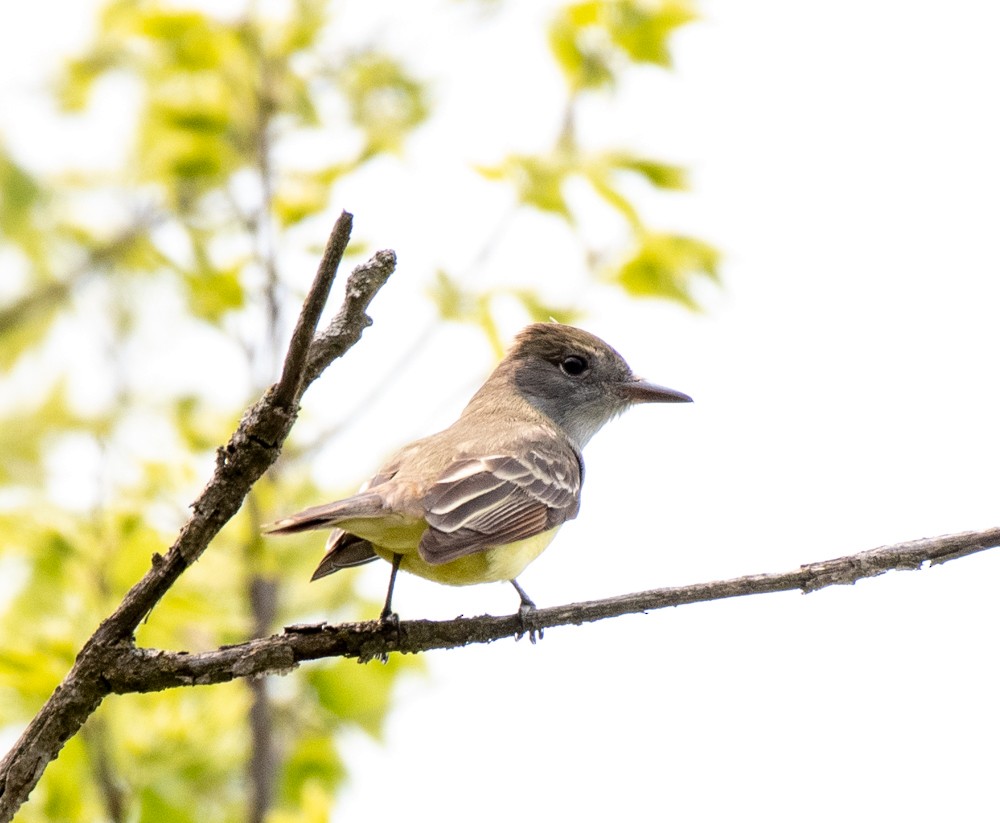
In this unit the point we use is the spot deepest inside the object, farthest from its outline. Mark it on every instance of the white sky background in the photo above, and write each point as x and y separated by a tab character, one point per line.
845	160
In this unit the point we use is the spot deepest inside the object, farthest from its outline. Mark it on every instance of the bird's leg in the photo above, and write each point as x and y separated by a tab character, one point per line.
387	612
524	612
388	616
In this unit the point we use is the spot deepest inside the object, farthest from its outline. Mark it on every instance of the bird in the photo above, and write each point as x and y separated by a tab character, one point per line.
480	500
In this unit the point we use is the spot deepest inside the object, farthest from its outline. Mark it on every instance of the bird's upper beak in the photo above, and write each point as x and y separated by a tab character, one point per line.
642	391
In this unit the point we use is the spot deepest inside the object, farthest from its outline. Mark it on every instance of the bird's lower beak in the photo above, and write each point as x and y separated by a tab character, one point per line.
642	391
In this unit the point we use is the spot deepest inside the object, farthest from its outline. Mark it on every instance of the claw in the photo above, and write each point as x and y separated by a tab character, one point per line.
388	621
524	613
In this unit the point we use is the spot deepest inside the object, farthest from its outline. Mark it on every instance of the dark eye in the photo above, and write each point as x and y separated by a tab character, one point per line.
573	366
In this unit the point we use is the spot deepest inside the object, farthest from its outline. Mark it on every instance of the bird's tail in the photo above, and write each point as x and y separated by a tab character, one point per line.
365	504
344	551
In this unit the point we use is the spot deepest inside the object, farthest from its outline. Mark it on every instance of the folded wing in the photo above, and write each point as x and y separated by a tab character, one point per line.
483	502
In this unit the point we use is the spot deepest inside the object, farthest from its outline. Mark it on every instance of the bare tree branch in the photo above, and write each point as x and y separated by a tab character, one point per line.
345	329
146	670
251	450
290	386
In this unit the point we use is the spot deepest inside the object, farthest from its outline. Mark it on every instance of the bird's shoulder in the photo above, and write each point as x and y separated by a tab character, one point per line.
504	442
468	439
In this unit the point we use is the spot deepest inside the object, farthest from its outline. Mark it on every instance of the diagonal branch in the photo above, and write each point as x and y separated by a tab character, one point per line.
251	450
147	670
345	329
290	386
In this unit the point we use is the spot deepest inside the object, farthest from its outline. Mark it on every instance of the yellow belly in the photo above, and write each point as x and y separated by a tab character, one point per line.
487	566
395	534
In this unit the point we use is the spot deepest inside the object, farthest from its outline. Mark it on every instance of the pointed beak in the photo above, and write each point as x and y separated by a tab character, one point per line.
642	391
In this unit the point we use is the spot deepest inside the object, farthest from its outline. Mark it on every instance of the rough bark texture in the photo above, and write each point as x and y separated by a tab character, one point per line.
143	670
251	450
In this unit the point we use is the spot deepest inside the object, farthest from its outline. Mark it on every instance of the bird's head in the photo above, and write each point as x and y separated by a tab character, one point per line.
576	379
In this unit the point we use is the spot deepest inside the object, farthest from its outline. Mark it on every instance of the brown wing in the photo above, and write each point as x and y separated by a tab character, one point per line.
481	502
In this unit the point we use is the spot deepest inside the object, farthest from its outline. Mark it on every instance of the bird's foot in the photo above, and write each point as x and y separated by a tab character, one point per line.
526	614
389	625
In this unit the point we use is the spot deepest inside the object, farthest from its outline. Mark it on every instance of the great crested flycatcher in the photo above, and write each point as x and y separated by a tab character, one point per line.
479	501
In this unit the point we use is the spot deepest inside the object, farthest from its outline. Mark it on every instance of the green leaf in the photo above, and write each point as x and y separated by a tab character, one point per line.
588	40
585	64
484	318
312	805
211	289
26	323
313	761
213	292
294	98
27	677
191	131
600	180
642	29
537	179
303	26
384	101
75	84
301	195
599	169
356	694
189	40
665	265
452	302
659	174
20	195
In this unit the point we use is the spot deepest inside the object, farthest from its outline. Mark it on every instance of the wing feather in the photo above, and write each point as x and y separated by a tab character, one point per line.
469	491
482	502
343	551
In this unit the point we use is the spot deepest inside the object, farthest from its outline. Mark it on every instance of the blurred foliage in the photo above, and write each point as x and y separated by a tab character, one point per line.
475	306
595	40
197	204
594	43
